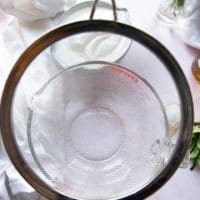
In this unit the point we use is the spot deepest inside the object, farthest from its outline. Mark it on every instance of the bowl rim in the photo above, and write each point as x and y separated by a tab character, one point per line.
80	27
83	5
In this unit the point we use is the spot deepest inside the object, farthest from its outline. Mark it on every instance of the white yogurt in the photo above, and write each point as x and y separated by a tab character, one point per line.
91	46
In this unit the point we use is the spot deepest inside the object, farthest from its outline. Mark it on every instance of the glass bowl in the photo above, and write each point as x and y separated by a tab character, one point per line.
94	45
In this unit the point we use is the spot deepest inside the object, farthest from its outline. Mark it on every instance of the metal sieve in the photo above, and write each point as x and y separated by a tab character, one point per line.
97	130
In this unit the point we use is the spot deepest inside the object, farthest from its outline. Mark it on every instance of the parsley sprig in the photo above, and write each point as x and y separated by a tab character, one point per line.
195	146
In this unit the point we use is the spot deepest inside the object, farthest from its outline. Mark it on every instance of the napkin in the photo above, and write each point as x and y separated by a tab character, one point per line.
35	9
188	24
32	18
17	186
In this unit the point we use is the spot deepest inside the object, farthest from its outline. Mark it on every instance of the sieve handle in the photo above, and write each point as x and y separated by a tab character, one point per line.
113	7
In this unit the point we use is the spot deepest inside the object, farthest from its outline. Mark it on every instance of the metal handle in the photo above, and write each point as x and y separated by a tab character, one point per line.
113	7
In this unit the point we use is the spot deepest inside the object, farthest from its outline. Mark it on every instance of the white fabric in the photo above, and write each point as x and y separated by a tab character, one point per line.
17	37
20	34
34	9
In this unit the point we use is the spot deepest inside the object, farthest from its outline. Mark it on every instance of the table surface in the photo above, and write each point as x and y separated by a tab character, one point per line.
184	184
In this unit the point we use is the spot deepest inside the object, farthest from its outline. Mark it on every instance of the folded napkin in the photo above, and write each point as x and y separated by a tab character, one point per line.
35	9
32	22
17	186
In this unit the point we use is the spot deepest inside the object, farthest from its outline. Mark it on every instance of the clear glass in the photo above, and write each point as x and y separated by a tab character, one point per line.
100	127
166	12
184	18
91	46
90	131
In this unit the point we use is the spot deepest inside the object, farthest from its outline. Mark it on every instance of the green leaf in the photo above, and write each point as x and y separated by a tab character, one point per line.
193	145
193	165
197	123
194	153
180	3
198	142
196	130
198	160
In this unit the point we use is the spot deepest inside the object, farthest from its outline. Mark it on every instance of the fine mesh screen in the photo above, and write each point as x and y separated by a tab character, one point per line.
97	130
91	130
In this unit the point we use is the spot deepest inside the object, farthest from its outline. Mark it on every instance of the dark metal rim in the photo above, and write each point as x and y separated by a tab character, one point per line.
108	26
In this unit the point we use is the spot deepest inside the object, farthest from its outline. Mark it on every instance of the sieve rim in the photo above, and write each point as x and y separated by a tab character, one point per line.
108	26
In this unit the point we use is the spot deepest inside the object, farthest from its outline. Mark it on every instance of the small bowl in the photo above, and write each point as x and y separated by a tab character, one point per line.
91	46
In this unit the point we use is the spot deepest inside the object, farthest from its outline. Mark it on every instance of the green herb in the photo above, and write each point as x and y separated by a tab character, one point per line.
178	3
178	6
195	146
